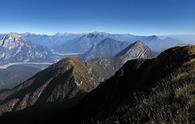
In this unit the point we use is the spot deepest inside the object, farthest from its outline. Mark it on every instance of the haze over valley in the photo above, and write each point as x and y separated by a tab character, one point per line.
97	61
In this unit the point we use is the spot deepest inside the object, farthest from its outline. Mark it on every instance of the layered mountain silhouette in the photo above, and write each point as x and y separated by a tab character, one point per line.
83	43
142	91
67	79
80	43
105	49
51	42
118	52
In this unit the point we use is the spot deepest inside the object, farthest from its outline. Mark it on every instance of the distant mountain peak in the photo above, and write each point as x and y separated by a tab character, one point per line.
14	48
135	50
138	43
133	45
153	37
13	36
12	40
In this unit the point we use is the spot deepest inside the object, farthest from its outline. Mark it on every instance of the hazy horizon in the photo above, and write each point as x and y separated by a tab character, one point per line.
140	17
50	34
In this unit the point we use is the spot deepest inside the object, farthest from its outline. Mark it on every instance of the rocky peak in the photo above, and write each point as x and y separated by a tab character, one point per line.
134	51
13	36
14	48
138	43
12	40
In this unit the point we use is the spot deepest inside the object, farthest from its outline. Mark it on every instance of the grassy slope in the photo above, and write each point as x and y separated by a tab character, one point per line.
170	100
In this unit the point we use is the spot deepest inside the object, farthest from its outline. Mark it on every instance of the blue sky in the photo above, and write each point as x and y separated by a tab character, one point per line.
115	16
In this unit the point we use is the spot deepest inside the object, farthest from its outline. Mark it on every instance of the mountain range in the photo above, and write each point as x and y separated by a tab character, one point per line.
17	50
142	91
29	47
80	43
14	48
48	41
67	79
105	49
115	78
64	43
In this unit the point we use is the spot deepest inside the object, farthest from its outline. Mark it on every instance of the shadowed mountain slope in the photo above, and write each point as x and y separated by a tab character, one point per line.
63	80
159	90
144	91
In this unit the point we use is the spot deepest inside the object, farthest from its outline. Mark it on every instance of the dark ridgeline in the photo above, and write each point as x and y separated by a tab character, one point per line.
66	80
143	90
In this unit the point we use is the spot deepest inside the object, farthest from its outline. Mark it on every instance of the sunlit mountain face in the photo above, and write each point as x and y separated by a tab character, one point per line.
97	61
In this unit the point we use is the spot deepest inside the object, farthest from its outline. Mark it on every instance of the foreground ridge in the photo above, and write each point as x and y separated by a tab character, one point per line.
158	90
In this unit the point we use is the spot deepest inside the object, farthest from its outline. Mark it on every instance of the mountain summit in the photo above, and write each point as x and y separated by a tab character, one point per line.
12	36
134	51
14	48
11	41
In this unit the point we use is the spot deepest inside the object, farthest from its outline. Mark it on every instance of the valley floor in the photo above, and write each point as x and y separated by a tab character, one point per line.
24	63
